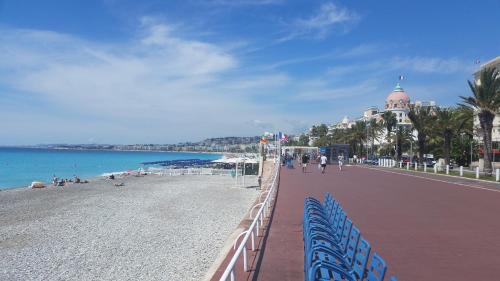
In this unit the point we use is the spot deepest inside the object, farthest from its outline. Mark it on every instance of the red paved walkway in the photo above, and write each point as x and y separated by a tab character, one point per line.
424	229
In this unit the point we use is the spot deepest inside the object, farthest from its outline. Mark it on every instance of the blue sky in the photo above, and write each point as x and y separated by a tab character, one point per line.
115	71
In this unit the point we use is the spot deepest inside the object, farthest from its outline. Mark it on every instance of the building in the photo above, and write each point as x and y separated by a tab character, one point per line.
399	103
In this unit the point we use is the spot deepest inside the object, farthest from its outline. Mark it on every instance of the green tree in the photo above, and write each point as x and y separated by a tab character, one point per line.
422	118
447	126
486	101
374	131
357	135
389	121
404	138
304	140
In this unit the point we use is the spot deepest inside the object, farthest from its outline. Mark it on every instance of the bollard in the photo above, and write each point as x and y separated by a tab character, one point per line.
379	161
435	169
416	166
401	164
477	172
407	165
425	167
461	171
447	169
497	174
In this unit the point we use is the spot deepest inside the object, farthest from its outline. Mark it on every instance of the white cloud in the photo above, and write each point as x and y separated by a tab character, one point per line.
328	18
159	87
431	64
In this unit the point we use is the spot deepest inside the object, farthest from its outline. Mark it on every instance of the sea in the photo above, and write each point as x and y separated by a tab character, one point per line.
21	166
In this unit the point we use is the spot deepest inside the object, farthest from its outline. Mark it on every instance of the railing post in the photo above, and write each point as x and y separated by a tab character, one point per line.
232	275
447	169
245	267
253	242
407	165
416	166
435	168
497	178
477	172
461	171
425	167
401	164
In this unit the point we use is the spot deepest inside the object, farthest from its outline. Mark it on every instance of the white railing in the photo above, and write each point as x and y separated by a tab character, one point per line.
253	230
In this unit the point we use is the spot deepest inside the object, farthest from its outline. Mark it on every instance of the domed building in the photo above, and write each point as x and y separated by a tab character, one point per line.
399	103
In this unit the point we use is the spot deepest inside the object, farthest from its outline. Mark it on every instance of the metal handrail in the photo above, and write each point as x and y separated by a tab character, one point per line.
229	272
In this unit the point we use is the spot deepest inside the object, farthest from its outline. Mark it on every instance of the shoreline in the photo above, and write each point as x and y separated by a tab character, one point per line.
86	175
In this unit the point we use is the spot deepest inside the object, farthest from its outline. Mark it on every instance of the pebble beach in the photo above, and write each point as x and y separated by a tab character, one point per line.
151	228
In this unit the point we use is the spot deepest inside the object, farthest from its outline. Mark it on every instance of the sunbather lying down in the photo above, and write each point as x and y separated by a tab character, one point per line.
119	184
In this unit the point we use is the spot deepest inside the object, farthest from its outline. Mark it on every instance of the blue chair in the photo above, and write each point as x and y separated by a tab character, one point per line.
377	269
330	265
331	253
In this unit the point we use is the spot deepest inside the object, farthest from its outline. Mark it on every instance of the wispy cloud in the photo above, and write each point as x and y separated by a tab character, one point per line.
320	25
431	64
164	86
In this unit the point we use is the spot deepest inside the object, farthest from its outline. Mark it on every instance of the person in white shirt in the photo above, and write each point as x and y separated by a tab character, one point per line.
323	161
341	161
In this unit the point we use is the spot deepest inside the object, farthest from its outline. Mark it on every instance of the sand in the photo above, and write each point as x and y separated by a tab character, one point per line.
152	228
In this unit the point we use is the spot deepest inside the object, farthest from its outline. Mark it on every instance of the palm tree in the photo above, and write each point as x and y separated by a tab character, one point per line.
486	102
404	137
422	118
374	130
447	126
358	136
390	121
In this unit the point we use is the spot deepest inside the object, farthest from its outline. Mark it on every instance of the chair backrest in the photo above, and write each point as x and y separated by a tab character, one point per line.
336	217
345	235
353	243
361	258
328	207
340	226
377	269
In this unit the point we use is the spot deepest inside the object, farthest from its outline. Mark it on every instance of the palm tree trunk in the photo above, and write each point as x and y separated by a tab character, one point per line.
486	121
421	147
446	148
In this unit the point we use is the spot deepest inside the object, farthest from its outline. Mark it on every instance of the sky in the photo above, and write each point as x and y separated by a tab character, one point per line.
126	71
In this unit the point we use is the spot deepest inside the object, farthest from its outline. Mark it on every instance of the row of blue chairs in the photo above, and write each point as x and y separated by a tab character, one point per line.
334	248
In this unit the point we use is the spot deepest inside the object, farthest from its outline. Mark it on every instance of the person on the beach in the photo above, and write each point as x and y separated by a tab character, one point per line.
305	160
323	161
341	161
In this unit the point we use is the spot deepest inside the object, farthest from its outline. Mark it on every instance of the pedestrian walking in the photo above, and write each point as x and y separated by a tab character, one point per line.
323	161
341	161
305	160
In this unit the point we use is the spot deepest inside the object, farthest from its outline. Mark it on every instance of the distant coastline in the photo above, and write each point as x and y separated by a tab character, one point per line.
212	145
109	149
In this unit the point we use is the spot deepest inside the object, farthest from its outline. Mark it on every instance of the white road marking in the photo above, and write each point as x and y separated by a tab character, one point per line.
432	179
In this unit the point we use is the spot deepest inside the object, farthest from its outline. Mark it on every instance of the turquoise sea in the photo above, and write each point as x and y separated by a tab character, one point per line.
20	166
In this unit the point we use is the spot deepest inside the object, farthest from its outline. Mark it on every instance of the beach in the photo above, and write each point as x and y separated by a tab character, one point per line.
151	228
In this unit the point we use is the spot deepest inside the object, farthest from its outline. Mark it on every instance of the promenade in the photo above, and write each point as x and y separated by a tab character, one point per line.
426	227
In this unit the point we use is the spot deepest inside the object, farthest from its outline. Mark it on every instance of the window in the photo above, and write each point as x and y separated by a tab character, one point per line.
400	114
400	120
